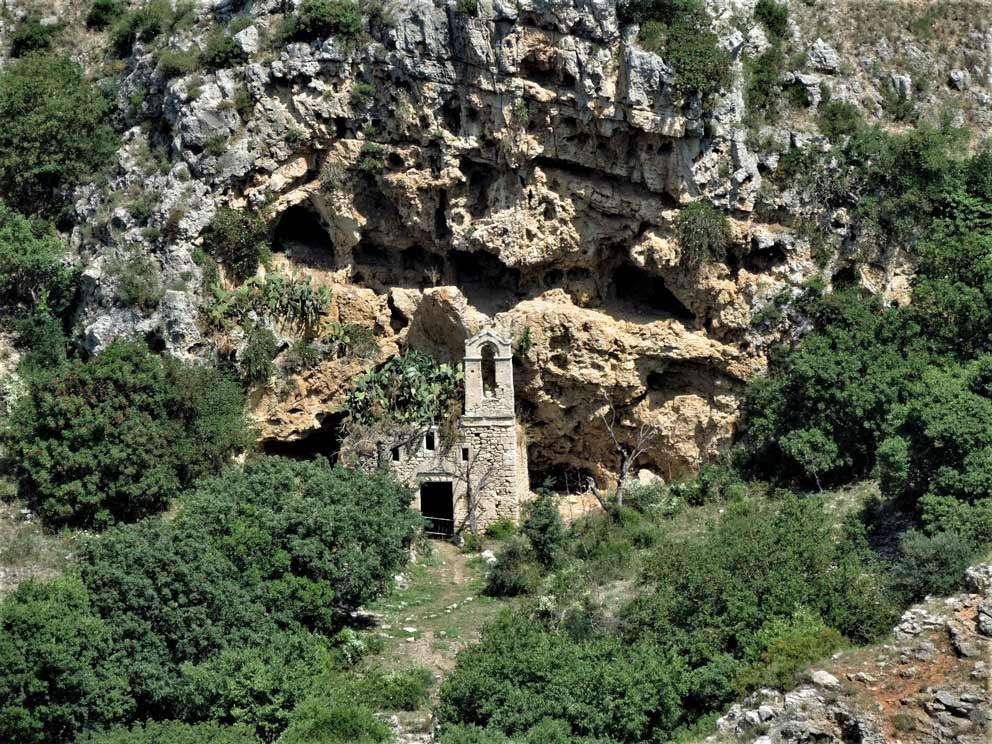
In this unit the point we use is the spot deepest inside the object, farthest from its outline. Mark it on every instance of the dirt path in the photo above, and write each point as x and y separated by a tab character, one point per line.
435	611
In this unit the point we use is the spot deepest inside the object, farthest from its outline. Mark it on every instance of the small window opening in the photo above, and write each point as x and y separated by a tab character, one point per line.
396	454
429	442
464	454
489	370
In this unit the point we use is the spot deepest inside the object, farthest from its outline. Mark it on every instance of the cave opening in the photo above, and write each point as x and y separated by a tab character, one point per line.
559	477
481	269
299	234
636	287
759	260
540	71
323	441
480	178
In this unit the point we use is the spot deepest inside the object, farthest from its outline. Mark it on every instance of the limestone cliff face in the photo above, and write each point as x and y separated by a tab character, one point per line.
523	167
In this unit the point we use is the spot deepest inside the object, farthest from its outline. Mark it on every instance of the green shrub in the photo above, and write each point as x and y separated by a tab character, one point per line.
838	118
320	18
514	571
222	51
61	670
307	532
169	597
43	336
790	645
33	265
334	721
703	233
116	437
260	349
521	677
773	16
678	31
102	13
173	732
501	529
177	63
544	530
407	689
764	82
931	564
53	132
255	686
147	22
302	355
31	35
238	240
138	278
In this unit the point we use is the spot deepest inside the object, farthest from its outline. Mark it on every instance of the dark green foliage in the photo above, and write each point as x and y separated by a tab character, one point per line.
222	51
773	16
33	267
932	564
335	721
53	132
239	240
838	118
170	597
520	677
43	337
173	732
713	598
544	530
678	31
313	538
104	12
317	19
31	35
61	670
255	686
703	233
764	92
790	645
116	437
403	690
409	388
467	7
256	359
515	571
147	22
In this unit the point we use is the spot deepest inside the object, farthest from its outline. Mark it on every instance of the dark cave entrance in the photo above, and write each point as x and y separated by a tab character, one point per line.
299	234
323	441
634	286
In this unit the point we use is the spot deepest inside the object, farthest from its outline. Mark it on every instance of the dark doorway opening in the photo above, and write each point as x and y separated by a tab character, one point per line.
437	504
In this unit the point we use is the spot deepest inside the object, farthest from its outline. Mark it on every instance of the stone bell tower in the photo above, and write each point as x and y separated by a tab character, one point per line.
488	377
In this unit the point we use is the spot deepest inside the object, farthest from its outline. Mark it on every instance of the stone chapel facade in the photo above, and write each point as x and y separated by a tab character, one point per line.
479	475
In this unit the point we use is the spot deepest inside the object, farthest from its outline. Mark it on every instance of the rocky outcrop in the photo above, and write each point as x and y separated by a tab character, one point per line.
526	167
930	683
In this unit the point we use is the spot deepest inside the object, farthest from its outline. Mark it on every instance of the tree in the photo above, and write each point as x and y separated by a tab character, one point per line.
61	673
33	265
628	448
53	132
116	437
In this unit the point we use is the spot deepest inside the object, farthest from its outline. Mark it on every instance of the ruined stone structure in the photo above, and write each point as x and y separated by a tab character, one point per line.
477	474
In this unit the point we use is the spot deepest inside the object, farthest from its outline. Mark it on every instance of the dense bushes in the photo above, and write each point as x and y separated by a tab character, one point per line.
116	437
679	31
62	672
522	676
53	132
173	732
33	266
762	592
224	613
320	18
239	240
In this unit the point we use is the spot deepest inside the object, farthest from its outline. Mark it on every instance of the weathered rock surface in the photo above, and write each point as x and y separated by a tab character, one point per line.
930	684
525	167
